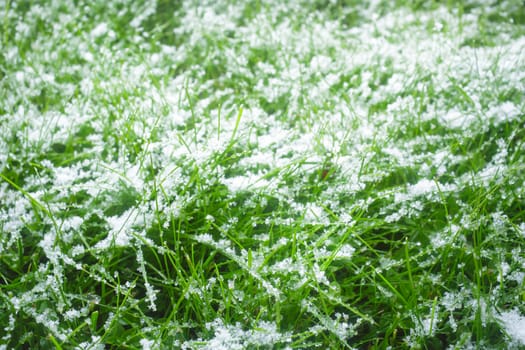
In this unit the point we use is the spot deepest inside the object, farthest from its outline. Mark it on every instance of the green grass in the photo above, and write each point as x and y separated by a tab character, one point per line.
262	175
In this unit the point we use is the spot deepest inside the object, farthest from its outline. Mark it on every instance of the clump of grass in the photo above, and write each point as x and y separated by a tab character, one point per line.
226	175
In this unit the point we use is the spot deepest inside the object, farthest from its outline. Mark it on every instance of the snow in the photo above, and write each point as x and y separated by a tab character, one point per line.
99	30
329	76
424	186
147	344
514	324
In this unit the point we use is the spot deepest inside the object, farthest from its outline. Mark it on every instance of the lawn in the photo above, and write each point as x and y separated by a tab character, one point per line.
227	174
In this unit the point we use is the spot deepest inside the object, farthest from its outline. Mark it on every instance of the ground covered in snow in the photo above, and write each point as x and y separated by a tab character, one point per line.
230	174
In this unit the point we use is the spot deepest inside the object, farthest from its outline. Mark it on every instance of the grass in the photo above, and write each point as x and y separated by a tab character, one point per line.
256	175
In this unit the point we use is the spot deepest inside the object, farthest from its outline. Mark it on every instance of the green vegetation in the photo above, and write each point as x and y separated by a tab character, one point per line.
262	174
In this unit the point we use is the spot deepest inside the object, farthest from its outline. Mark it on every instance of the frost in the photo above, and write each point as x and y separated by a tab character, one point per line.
147	344
424	186
514	324
345	252
151	296
72	224
507	111
244	183
120	230
398	103
72	314
228	337
456	119
99	30
95	344
205	238
340	326
522	228
315	214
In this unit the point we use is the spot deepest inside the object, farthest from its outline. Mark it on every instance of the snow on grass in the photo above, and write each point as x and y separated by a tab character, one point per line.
227	174
514	324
